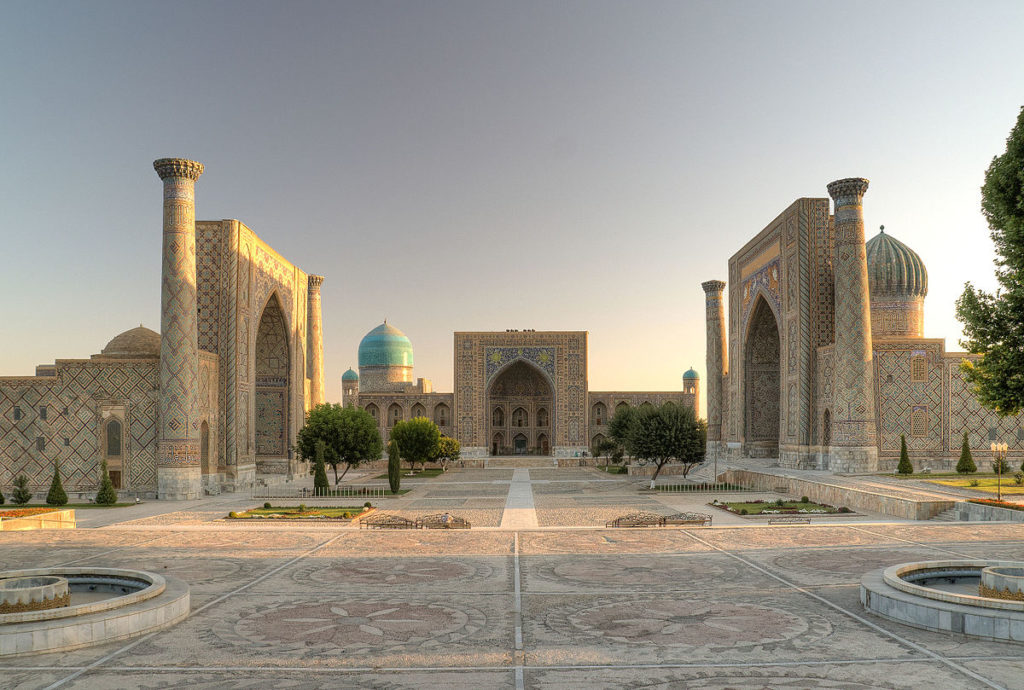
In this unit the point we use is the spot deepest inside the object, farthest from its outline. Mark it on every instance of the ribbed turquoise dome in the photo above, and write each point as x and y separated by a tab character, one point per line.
894	269
350	375
690	375
385	346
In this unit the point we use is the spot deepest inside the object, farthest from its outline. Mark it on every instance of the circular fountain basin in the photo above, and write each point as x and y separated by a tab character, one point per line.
1002	582
19	594
943	596
105	604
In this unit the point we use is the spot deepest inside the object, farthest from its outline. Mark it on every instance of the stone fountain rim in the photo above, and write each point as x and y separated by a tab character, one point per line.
893	576
156	586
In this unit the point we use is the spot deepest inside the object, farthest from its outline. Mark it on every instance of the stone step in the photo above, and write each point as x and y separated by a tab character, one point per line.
519	461
950	515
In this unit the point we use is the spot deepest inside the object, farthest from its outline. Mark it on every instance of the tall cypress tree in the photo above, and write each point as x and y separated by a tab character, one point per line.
57	495
320	484
966	464
905	466
107	495
394	467
994	323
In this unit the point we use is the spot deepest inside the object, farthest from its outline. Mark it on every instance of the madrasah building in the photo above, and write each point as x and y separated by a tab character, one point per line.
824	363
517	392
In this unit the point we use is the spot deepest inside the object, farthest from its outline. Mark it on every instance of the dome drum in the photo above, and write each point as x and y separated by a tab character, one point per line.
898	284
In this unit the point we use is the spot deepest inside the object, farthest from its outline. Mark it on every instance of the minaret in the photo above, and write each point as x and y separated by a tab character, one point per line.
715	315
854	436
179	475
315	333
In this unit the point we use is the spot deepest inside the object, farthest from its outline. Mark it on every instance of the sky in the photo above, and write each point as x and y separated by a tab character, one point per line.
479	165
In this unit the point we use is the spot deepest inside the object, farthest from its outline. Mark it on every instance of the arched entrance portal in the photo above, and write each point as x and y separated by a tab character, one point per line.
761	382
524	391
273	366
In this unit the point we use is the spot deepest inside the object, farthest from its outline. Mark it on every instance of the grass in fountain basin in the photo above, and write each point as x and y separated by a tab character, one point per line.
986	483
294	512
774	508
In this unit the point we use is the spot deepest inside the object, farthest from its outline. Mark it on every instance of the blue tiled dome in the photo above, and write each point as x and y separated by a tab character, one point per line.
894	269
385	346
350	375
690	375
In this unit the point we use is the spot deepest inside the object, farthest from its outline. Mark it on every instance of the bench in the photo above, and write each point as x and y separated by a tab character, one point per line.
702	519
384	521
439	522
789	520
637	520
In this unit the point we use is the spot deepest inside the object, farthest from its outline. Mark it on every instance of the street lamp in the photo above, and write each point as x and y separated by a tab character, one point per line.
999	454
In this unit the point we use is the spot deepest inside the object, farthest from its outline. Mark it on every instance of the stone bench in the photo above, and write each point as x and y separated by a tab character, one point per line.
442	521
381	521
789	520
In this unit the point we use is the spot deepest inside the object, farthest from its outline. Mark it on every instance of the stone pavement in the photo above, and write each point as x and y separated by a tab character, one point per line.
754	606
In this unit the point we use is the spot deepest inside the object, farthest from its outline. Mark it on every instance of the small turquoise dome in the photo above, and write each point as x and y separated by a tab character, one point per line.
894	269
350	375
691	375
385	346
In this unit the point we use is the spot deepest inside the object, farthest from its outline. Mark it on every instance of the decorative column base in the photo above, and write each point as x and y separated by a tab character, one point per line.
853	459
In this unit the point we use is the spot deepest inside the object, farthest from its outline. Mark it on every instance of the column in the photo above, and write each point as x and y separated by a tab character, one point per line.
854	437
179	475
315	333
716	351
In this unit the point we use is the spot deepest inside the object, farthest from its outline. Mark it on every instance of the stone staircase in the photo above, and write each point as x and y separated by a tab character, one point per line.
519	461
951	515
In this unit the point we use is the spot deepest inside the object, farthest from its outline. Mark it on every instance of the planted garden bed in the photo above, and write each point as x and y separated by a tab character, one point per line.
996	504
778	507
301	512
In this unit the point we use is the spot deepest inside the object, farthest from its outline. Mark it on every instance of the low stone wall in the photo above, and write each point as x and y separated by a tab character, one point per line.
648	471
839	495
57	519
975	512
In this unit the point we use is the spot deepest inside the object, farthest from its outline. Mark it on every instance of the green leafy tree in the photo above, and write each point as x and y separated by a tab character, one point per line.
994	323
57	496
670	433
905	466
605	448
21	494
107	495
448	450
349	434
620	427
966	464
394	467
417	440
320	484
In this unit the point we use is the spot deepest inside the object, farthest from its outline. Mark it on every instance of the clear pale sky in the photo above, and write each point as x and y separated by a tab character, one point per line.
482	166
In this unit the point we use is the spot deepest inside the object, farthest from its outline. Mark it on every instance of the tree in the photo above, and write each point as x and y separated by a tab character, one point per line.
320	484
666	434
21	494
966	464
905	466
349	434
107	495
417	440
994	323
394	467
57	496
605	448
2	499
448	450
620	426
1000	466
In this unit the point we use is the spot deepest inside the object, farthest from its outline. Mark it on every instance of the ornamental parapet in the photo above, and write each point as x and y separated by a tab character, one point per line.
315	282
848	189
712	287
178	167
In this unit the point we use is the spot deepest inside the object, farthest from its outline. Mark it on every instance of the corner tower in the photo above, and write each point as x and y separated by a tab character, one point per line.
716	353
316	342
179	474
854	434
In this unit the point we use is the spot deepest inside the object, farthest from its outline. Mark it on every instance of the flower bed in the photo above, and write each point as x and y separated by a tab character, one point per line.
342	513
778	507
995	503
26	512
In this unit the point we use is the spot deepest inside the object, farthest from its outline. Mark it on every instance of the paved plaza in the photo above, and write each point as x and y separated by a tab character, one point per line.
738	605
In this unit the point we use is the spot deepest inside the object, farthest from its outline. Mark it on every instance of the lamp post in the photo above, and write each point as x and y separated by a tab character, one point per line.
999	454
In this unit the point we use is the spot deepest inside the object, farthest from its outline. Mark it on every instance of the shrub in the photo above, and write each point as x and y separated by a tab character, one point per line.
966	464
973	482
1019	478
107	495
234	515
267	506
347	515
302	507
743	511
367	505
21	494
57	496
1001	466
844	509
804	499
780	502
905	467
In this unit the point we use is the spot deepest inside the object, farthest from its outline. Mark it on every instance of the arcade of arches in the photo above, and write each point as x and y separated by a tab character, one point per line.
520	400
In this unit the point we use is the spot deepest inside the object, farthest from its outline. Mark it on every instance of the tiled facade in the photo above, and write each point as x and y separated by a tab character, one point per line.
245	396
515	392
798	297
